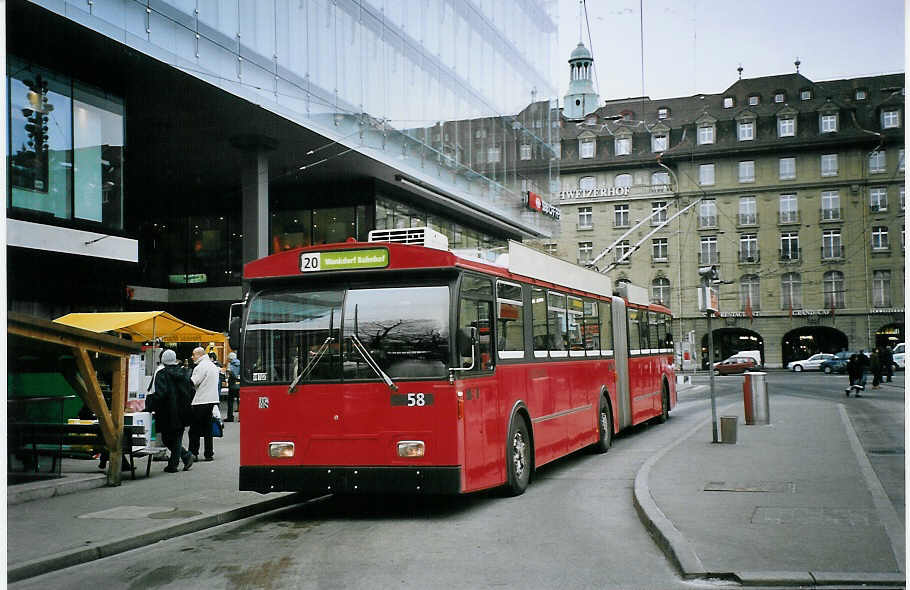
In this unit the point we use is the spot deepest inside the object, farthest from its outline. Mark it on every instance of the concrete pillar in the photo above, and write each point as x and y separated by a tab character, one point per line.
255	210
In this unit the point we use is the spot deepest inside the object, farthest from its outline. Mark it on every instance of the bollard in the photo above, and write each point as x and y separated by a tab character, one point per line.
755	398
728	429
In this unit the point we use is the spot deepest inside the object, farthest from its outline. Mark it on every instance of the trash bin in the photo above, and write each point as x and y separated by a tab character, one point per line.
755	398
728	429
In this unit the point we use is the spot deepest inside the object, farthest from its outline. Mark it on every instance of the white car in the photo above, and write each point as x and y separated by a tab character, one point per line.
813	363
898	354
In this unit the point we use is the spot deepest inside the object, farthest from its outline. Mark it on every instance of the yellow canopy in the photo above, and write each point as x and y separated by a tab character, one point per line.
141	326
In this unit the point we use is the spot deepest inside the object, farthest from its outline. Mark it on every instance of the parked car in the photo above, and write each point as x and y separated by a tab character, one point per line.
838	364
898	354
813	363
735	364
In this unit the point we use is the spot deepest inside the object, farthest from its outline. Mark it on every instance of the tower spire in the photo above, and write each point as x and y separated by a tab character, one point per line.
581	9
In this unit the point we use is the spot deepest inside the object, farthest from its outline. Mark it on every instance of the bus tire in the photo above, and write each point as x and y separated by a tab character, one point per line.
664	403
518	457
604	427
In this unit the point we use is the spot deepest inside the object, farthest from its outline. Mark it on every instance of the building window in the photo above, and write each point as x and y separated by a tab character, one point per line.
748	212
828	123
788	210
585	251
525	151
754	100
708	251
791	291
877	162
750	292
586	148
658	212
623	146
705	134
660	180
550	249
891	119
707	213
660	291
745	130
834	289
830	205
493	154
805	94
585	218
878	199
829	164
900	160
748	248
557	150
728	102
881	288
789	246
900	197
786	127
787	168
880	238
622	249
659	142
621	215
747	171
706	174
622	181
831	245
587	183
663	113
660	249
860	94
780	97
66	148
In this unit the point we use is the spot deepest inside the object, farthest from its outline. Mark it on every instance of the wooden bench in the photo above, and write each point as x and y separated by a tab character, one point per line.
78	441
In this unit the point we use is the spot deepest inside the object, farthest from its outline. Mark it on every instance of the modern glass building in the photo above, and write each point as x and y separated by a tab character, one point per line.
156	146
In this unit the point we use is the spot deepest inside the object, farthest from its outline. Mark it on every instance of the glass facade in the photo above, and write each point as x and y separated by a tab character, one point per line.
65	149
430	88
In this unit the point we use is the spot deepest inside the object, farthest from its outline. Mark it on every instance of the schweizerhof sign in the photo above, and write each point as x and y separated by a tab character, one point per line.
602	191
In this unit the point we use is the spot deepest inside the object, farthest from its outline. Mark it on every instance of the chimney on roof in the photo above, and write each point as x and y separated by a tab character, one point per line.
796	63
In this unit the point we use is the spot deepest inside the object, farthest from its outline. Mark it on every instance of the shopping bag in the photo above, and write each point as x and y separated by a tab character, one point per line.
217	428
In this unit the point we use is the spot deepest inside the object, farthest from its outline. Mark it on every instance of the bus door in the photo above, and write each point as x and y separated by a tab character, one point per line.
621	355
483	432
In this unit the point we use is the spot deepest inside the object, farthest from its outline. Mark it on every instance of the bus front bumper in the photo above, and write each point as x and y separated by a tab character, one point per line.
350	480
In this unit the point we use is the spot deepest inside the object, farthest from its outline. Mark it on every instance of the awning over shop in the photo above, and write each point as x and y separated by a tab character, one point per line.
141	326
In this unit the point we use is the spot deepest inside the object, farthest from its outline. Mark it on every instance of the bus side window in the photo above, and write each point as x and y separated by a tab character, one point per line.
476	313
654	323
574	335
591	328
668	338
539	322
557	325
510	339
634	333
661	330
606	328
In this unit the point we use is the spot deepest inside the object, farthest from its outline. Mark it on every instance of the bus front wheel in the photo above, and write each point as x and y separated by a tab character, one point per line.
604	427
664	404
518	457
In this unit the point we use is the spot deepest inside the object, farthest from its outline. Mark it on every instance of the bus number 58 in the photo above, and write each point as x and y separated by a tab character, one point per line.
416	399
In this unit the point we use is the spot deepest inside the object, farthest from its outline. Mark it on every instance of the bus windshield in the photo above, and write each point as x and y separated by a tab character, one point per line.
405	330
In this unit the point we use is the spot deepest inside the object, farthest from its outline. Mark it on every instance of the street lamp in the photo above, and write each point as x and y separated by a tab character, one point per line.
708	302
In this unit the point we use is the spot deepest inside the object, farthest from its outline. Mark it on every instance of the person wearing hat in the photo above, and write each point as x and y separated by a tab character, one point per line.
233	383
207	380
171	404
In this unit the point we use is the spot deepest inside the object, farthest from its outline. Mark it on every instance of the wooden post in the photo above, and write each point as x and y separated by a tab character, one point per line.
118	401
95	400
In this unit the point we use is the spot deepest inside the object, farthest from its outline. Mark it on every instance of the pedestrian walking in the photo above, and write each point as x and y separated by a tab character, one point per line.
875	365
171	404
233	384
854	373
206	378
887	363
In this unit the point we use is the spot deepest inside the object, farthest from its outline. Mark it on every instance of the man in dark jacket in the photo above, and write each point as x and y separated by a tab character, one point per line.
171	404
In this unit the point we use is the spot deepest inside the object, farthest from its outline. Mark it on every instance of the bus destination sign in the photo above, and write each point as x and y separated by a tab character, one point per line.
344	260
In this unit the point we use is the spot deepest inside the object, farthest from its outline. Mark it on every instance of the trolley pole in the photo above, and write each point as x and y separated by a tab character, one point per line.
710	313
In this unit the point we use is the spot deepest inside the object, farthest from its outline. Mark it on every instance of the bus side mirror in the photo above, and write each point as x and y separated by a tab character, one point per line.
234	318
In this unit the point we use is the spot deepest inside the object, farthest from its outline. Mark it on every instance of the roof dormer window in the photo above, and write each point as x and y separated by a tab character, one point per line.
805	94
728	102
663	113
780	96
754	100
860	94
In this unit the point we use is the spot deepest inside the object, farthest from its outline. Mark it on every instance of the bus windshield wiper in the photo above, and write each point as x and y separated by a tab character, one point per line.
311	364
372	362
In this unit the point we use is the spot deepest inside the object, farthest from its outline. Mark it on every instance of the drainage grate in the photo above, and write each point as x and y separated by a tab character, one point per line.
778	487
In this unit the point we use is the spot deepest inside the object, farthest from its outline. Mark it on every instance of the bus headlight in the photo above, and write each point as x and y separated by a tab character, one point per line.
411	448
281	450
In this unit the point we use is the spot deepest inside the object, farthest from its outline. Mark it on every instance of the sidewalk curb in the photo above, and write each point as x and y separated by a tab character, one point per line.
820	579
27	492
73	557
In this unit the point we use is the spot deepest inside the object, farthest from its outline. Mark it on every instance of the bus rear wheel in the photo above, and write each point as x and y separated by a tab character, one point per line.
604	427
664	404
518	457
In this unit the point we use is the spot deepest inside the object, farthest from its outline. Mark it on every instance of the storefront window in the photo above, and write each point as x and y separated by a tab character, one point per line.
291	229
65	148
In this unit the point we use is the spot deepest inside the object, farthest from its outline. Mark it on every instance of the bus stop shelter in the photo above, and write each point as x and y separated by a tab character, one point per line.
92	351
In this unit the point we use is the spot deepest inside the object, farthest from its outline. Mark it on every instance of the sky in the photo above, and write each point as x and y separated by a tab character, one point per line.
695	46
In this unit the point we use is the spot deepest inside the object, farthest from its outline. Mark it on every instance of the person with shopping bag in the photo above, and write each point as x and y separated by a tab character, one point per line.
206	378
171	404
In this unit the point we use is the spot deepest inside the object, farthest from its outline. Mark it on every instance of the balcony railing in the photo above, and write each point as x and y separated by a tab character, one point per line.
832	252
749	257
790	254
878	207
831	214
708	258
785	217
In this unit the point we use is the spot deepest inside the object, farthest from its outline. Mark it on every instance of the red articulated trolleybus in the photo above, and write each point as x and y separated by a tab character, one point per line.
386	366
